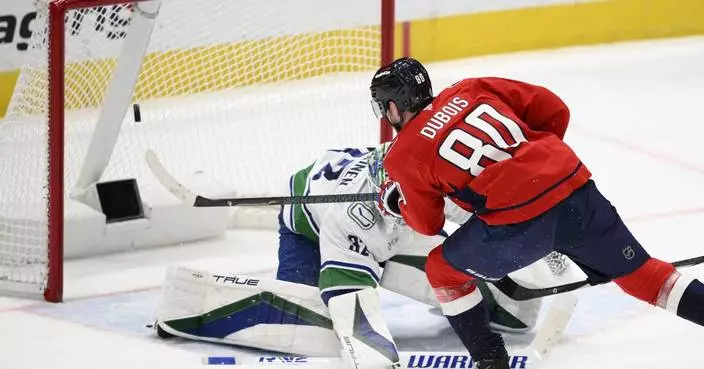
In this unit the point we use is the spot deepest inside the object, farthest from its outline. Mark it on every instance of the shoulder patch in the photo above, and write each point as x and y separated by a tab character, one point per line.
362	214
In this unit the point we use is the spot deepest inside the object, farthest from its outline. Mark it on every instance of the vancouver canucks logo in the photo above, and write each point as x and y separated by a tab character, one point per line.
361	214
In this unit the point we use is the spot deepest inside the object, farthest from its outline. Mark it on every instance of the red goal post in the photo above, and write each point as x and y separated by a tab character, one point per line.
287	89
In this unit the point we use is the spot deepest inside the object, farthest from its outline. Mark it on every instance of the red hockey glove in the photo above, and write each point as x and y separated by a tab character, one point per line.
390	197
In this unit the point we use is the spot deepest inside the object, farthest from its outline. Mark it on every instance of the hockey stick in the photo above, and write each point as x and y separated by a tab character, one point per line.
530	357
189	197
517	292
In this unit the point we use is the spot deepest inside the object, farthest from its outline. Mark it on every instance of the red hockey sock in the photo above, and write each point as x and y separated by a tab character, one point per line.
462	304
646	282
454	289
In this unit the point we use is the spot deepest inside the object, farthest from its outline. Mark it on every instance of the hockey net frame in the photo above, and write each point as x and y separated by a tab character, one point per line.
56	43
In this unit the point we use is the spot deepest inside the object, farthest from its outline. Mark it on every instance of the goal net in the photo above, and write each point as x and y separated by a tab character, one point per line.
233	96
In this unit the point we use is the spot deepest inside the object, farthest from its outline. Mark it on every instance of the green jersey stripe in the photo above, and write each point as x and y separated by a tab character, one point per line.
301	224
333	277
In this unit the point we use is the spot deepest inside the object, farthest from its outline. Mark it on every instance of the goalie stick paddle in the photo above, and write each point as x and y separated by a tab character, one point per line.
517	292
193	199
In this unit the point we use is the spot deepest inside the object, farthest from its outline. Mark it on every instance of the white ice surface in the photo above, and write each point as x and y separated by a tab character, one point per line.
636	123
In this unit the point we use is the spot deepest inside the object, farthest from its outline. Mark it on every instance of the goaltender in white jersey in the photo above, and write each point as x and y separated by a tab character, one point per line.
332	258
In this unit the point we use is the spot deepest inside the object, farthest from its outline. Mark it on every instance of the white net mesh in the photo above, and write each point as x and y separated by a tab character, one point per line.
557	263
554	269
24	162
234	96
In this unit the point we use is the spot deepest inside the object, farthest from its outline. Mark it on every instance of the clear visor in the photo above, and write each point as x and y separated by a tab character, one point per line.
377	109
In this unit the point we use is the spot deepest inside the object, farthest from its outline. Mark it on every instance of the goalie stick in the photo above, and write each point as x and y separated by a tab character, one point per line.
189	197
517	292
530	357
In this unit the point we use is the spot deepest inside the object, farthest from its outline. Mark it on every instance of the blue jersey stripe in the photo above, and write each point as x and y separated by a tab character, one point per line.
327	295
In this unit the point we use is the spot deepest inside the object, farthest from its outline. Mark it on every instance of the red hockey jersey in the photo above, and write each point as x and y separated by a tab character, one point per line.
494	146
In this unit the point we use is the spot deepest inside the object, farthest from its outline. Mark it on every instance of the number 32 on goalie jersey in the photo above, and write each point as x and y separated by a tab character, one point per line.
504	135
331	171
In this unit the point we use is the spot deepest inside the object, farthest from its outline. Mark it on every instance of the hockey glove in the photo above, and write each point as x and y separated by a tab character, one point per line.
390	197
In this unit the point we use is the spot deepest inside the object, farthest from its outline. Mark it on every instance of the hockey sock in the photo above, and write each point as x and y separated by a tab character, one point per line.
472	327
659	283
684	296
646	282
462	303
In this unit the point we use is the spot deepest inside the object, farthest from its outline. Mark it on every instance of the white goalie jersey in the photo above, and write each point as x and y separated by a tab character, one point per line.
353	237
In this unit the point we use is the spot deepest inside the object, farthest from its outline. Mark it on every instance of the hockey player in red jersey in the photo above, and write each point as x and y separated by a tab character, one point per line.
494	146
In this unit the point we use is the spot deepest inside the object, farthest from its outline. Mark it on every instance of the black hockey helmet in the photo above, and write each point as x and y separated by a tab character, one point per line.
405	82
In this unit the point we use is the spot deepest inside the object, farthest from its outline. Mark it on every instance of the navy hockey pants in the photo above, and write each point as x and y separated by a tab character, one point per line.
299	257
584	226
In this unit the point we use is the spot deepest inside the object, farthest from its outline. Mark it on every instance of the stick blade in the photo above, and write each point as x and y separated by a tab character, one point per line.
167	180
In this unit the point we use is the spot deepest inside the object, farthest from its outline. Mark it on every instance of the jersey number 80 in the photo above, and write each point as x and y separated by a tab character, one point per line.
489	121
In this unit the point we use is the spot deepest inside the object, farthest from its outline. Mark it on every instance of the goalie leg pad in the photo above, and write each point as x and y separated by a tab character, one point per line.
405	274
365	337
507	314
518	316
260	313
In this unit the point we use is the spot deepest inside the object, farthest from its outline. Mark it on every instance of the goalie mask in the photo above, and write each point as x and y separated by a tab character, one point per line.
377	176
375	160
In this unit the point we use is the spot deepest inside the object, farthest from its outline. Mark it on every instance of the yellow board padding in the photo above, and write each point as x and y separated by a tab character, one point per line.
7	85
468	35
218	67
258	62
